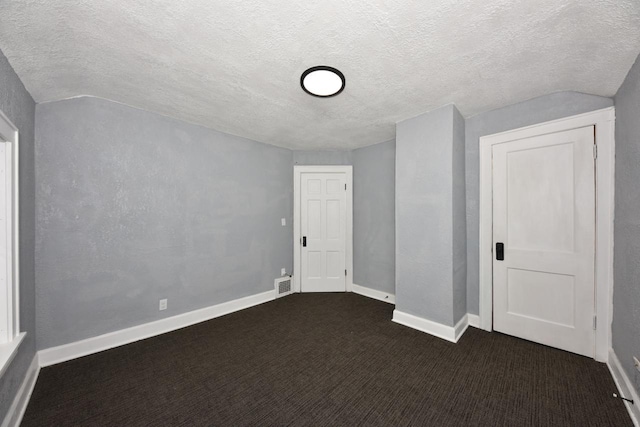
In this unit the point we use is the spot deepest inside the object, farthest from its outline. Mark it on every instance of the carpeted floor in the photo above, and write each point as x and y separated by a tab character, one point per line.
325	360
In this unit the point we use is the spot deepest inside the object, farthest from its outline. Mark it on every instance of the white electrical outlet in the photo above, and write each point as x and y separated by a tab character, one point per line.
283	221
283	271
636	363
163	304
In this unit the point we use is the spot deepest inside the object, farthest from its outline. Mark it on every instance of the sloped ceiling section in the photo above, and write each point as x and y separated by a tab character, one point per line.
235	65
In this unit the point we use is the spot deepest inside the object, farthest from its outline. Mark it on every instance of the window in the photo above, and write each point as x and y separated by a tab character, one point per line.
10	336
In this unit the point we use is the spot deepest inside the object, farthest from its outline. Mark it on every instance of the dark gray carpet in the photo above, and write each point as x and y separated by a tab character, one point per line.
325	359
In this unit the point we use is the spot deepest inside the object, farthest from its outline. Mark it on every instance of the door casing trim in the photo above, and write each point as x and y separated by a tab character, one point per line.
297	175
604	122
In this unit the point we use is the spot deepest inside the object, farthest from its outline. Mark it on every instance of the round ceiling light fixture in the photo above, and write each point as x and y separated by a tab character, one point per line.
322	81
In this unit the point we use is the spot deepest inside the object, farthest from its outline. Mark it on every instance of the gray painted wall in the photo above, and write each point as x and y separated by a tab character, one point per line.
374	233
18	106
322	157
626	293
425	212
133	207
459	260
537	110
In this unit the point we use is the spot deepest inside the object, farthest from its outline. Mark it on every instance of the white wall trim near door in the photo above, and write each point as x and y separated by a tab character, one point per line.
625	387
374	293
10	295
449	333
62	353
14	415
474	320
604	122
297	175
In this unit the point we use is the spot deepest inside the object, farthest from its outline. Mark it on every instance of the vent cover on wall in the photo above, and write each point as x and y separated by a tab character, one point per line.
283	286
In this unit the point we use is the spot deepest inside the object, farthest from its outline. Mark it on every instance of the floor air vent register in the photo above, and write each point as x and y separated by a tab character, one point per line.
283	286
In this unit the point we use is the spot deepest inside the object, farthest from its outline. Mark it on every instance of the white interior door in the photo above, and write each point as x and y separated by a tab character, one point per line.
544	215
323	216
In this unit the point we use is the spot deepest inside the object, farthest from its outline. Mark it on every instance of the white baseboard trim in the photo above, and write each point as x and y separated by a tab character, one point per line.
374	293
430	327
13	418
449	333
625	387
474	320
461	327
51	356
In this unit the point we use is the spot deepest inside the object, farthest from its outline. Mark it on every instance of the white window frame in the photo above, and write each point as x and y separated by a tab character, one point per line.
604	122
10	336
297	245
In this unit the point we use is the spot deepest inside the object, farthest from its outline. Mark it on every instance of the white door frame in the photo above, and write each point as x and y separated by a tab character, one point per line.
297	175
9	136
604	122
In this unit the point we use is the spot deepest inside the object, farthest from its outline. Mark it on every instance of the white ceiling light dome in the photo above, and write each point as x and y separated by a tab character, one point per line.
322	81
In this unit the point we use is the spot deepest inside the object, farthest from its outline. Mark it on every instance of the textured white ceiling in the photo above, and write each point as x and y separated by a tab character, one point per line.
235	65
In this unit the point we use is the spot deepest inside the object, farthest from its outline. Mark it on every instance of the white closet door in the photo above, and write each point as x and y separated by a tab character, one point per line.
544	215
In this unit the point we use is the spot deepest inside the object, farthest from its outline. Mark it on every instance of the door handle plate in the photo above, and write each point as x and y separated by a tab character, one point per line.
500	251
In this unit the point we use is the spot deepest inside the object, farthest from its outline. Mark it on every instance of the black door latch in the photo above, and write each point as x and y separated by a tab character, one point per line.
500	251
